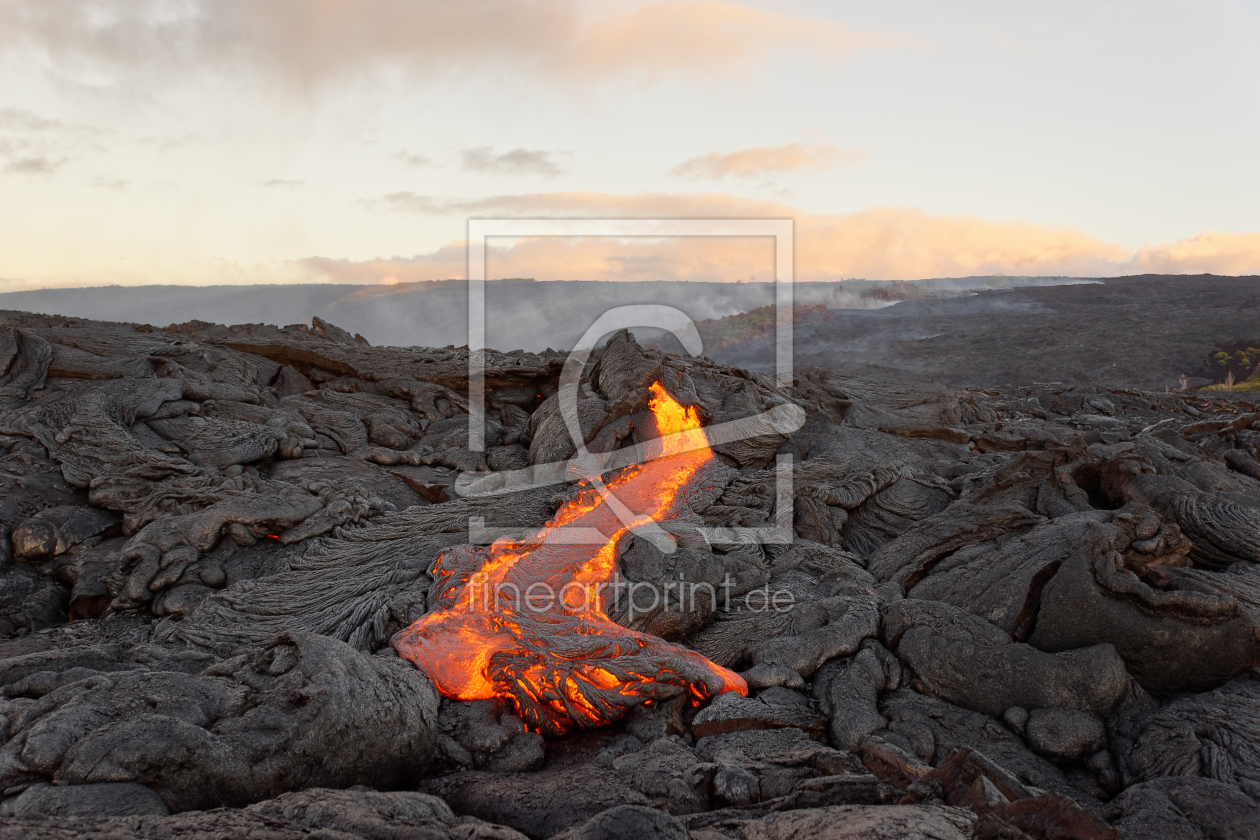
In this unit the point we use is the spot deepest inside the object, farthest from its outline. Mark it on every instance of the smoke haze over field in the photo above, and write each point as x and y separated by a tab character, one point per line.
962	330
521	314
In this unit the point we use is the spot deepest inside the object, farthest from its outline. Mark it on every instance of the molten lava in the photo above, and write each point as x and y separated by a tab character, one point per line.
525	620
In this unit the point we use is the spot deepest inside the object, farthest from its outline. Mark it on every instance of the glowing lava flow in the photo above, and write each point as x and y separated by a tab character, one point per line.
526	620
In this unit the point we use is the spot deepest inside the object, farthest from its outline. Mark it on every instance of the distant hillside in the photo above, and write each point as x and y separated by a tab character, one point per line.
1144	332
1140	332
521	314
746	327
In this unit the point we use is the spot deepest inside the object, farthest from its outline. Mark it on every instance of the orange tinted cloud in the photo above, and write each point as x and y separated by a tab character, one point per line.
713	259
1210	252
309	41
877	244
766	159
586	204
905	244
659	39
446	263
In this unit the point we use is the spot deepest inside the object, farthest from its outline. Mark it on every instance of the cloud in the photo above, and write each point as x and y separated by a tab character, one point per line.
33	144
579	204
31	155
280	183
33	165
448	262
879	244
515	162
406	202
165	142
671	39
306	43
1211	252
19	119
764	159
414	160
36	145
902	243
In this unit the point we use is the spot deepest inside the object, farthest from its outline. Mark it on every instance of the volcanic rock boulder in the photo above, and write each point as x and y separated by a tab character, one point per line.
219	442
550	439
670	595
106	799
962	658
56	530
672	776
40	663
1084	578
626	822
846	500
318	812
1215	735
889	512
624	372
930	729
1064	734
374	480
846	822
1223	526
30	601
784	766
860	500
486	735
1183	808
1001	580
30	482
1170	640
539	804
245	729
848	693
909	558
816	604
774	768
26	366
1241	582
774	708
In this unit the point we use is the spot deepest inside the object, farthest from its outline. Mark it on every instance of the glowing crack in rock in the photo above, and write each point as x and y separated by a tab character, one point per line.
526	620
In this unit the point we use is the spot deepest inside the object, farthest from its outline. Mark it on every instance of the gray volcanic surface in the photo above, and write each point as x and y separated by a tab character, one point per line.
1134	332
1141	332
519	313
239	569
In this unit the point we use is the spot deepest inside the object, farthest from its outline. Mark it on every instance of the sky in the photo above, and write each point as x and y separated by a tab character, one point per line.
279	141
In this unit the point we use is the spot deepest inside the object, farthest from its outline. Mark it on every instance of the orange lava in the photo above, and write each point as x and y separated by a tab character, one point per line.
529	623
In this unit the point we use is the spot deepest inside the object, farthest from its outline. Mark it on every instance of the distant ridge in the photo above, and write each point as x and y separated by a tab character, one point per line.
522	313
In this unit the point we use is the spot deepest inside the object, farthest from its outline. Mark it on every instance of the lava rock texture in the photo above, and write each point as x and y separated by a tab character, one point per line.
1020	612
